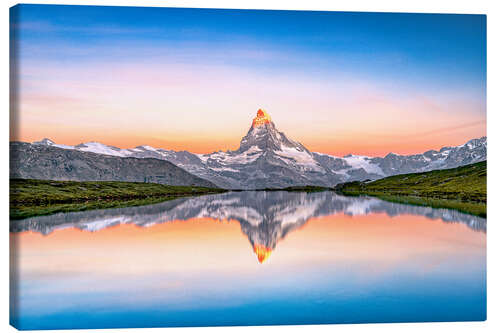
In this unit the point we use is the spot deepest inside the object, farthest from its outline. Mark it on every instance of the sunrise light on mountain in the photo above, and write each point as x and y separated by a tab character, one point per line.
262	118
188	167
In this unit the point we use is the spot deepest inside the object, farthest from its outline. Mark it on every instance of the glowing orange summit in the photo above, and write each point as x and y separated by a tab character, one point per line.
262	252
261	119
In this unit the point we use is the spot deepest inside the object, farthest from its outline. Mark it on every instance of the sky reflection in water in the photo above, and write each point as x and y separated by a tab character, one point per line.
248	258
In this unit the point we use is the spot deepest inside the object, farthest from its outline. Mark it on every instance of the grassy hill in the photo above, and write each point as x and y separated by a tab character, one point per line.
29	197
462	188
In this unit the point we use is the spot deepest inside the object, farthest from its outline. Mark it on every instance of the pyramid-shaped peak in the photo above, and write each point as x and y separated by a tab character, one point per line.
262	118
262	113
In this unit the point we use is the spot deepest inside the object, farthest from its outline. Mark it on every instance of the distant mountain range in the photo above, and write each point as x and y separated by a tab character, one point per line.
46	162
267	158
264	217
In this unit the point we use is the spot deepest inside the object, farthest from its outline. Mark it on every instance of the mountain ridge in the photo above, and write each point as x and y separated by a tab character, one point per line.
48	162
267	158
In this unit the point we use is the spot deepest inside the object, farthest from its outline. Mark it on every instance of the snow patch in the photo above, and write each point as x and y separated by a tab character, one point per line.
302	158
248	156
363	162
99	148
224	169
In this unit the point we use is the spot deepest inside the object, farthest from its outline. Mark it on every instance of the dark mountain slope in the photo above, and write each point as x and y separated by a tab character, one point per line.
46	162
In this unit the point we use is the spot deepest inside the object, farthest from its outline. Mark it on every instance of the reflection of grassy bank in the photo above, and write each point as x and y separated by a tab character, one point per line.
307	188
19	211
30	197
474	208
462	188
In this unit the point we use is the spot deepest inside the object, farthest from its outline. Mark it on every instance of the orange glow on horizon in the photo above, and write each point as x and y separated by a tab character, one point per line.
369	142
335	147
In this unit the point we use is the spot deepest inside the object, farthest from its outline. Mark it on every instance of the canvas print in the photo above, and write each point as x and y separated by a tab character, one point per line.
214	167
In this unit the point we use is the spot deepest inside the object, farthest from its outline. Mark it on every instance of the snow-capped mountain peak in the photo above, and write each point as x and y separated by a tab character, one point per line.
262	118
264	135
268	158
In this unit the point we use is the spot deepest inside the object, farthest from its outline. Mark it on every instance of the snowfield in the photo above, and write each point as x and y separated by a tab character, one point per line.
302	158
363	162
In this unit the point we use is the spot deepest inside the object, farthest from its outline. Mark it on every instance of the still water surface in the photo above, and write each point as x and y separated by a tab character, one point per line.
248	258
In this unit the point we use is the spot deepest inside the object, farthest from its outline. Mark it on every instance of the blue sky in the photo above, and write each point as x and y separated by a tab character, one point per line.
404	57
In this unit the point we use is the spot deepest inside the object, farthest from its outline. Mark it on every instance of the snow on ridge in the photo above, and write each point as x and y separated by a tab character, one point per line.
323	154
62	146
51	143
203	157
213	165
248	156
363	162
300	157
224	169
145	147
99	148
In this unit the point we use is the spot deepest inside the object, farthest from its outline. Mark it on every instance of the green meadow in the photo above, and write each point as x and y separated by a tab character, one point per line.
462	188
29	197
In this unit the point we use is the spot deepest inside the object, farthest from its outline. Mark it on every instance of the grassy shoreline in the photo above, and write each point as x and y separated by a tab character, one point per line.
29	197
462	189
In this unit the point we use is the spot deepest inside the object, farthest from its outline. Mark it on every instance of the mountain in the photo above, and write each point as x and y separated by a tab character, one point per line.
49	161
265	217
267	158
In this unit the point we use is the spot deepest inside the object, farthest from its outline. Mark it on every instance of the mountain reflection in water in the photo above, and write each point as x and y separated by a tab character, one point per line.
321	258
264	217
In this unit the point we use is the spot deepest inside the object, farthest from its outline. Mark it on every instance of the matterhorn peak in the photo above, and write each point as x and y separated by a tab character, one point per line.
262	118
264	136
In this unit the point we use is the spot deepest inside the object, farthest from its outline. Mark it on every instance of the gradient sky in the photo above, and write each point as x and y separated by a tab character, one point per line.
193	79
